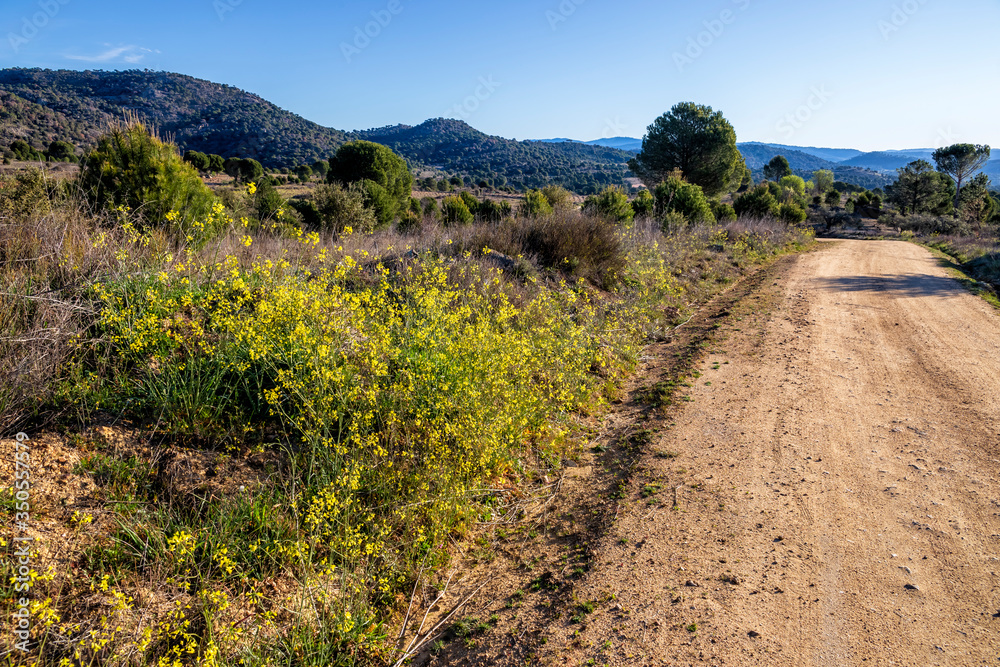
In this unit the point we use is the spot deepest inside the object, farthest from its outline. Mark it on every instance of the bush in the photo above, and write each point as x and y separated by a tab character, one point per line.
23	195
455	212
535	204
925	224
24	152
411	222
559	198
431	209
723	212
493	211
307	211
375	165
612	205
677	196
199	161
832	198
573	243
791	213
756	203
470	200
62	151
340	207
644	205
132	167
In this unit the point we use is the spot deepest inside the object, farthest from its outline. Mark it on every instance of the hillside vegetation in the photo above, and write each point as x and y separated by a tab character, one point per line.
281	425
43	105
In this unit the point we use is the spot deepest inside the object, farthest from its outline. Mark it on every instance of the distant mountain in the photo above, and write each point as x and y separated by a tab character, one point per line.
198	114
40	106
621	143
757	155
830	154
882	160
454	146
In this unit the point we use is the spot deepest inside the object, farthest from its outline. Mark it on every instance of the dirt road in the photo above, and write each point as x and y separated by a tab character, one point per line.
836	475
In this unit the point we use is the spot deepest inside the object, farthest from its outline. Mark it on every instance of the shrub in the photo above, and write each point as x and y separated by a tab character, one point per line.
62	151
431	208
199	161
411	222
131	167
723	212
23	195
25	152
340	207
558	197
832	198
307	211
575	244
925	224
455	212
470	200
535	204
371	163
493	211
644	205
791	213
612	204
675	195
756	203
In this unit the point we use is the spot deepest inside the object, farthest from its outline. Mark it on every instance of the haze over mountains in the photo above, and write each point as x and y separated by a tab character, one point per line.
809	158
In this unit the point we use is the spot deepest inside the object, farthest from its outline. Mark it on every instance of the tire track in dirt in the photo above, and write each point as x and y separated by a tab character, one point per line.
838	492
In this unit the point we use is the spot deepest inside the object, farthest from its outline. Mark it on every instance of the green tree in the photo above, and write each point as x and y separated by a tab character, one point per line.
62	151
342	206
23	151
216	163
675	196
832	198
611	204
723	212
134	168
470	200
791	213
756	203
454	211
320	168
976	204
364	161
960	161
823	180
245	170
777	168
695	139
644	204
919	189
535	204
199	161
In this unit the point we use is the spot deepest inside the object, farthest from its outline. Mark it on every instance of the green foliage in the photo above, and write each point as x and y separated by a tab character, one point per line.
675	195
22	196
268	204
303	172
321	168
723	212
961	161
455	212
430	206
244	170
793	185
535	204
777	169
340	207
62	151
132	168
791	213
470	201
612	204
823	180
920	189
832	198
388	181
199	161
756	203
644	204
696	140
558	197
24	152
490	210
216	163
976	206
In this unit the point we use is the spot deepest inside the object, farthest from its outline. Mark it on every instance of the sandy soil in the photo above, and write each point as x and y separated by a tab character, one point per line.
837	486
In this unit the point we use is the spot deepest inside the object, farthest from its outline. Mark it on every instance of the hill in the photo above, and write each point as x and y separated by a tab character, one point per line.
454	146
42	105
199	115
757	155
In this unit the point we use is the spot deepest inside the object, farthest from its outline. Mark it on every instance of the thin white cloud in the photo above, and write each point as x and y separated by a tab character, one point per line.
130	54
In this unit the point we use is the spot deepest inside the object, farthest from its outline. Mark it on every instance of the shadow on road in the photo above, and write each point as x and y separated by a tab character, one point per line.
906	285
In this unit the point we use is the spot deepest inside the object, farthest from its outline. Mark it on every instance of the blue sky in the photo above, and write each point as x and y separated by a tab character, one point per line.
873	74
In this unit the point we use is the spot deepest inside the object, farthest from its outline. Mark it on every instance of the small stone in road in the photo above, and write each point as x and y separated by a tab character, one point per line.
753	633
911	587
690	584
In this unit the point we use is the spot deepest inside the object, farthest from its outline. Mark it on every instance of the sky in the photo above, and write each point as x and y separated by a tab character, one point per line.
864	74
